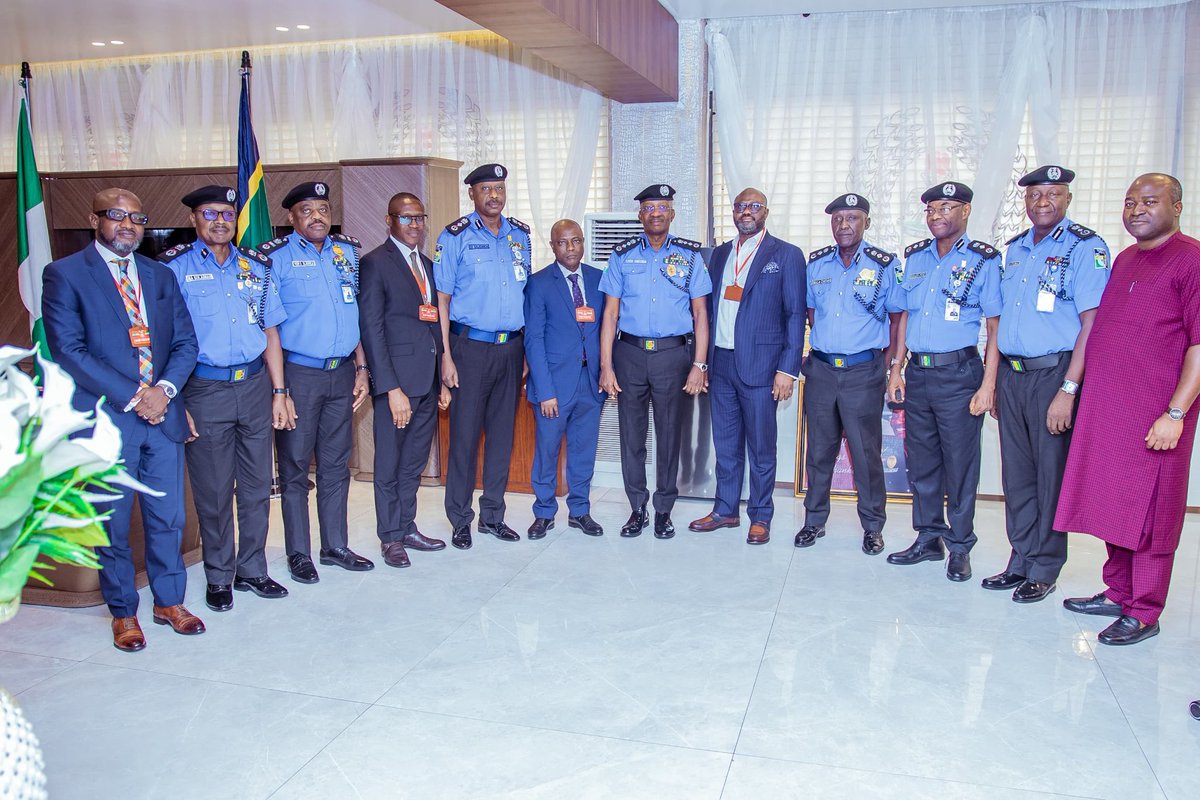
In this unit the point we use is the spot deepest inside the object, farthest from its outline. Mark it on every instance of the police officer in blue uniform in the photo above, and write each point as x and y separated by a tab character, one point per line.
235	308
653	342
481	265
950	285
325	374
850	286
1054	274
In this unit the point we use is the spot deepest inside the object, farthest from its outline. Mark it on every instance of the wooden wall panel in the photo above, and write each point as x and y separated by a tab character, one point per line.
14	318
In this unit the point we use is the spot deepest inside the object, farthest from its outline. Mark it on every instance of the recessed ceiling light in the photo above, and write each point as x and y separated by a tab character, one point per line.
97	44
301	27
116	41
281	28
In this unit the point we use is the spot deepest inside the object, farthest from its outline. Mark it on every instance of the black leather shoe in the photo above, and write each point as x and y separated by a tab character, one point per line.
539	527
1127	630
500	531
586	524
958	568
918	552
346	558
872	543
219	596
663	527
301	568
1005	580
262	586
462	537
1098	606
1032	591
419	541
394	555
636	523
809	534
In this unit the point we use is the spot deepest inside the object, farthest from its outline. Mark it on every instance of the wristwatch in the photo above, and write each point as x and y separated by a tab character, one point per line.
700	365
167	388
1069	387
1175	413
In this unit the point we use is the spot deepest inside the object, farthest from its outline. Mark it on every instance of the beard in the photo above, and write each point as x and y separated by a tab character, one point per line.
121	247
748	226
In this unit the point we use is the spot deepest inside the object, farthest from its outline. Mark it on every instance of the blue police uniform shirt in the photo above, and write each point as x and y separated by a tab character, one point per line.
850	304
1044	288
484	273
319	291
947	297
231	303
656	288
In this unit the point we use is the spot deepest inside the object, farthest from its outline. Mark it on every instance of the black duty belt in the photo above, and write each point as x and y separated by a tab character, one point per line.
654	345
1018	364
931	360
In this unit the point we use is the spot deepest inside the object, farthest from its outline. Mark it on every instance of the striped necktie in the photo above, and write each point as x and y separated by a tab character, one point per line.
133	308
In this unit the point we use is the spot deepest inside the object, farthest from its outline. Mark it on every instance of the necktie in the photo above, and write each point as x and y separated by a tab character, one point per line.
577	295
134	310
419	276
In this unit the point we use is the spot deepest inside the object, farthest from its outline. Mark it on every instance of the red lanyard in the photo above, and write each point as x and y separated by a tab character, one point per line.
738	268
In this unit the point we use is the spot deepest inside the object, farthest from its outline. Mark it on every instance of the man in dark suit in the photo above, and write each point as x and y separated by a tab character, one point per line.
562	347
398	319
117	323
758	311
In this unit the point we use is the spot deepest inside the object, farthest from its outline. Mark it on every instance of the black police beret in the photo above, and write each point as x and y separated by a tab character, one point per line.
659	191
314	190
488	172
950	190
1047	174
210	194
851	201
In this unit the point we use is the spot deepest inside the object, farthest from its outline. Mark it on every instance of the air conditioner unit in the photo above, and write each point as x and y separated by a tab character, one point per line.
605	230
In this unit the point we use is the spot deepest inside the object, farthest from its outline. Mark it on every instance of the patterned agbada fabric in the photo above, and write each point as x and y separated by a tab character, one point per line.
1116	488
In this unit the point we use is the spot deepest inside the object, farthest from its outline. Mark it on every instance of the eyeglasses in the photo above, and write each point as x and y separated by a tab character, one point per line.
485	190
211	214
650	208
120	214
409	219
753	208
944	210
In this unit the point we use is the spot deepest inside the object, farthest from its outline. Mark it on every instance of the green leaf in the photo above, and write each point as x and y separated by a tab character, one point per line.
17	490
66	552
14	571
8	536
92	535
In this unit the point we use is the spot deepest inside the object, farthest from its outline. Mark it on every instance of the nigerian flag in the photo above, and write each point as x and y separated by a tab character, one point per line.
254	221
33	235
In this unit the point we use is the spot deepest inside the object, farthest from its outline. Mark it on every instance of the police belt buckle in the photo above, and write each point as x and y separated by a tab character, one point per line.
238	375
1017	364
650	344
926	360
332	363
839	362
502	337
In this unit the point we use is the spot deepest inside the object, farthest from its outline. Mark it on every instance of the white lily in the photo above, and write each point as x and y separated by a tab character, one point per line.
16	385
54	520
123	478
88	455
59	417
10	436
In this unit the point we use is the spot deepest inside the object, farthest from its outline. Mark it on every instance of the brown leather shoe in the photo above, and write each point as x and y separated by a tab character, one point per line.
394	554
760	533
711	522
419	541
179	618
127	634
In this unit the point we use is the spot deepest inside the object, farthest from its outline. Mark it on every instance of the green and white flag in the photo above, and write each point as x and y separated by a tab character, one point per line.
33	235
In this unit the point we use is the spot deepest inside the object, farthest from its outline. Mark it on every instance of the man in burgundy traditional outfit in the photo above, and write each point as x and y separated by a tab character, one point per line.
1127	473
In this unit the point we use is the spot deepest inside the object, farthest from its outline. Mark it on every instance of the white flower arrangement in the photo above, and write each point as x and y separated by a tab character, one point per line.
51	483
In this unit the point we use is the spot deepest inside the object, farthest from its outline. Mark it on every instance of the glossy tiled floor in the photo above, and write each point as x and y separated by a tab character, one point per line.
611	668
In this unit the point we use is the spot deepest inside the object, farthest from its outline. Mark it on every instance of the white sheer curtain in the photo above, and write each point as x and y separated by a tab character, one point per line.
473	97
887	104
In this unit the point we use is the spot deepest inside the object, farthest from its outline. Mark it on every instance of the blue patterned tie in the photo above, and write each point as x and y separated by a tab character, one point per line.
577	295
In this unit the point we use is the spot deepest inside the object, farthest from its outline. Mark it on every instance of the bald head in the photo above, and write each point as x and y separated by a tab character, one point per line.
109	198
750	212
121	236
566	240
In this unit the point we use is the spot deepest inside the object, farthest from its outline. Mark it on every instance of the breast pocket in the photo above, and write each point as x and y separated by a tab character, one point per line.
310	283
204	300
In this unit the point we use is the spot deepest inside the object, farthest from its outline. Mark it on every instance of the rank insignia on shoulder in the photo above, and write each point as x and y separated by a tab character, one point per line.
983	248
626	245
1080	231
915	246
458	226
824	251
175	252
350	240
267	247
687	244
1018	236
516	223
878	256
252	253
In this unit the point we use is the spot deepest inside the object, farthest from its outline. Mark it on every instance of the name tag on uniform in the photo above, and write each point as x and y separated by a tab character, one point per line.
427	313
347	294
139	335
585	314
252	313
952	311
733	292
204	276
304	263
518	271
1045	301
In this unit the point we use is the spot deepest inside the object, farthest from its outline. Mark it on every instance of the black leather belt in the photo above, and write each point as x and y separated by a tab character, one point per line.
1019	364
654	345
930	360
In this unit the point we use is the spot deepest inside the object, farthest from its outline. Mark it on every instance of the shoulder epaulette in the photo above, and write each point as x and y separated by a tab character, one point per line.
350	240
983	248
1018	236
824	251
687	244
879	256
1080	231
627	245
267	247
458	226
915	246
516	223
252	253
174	253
